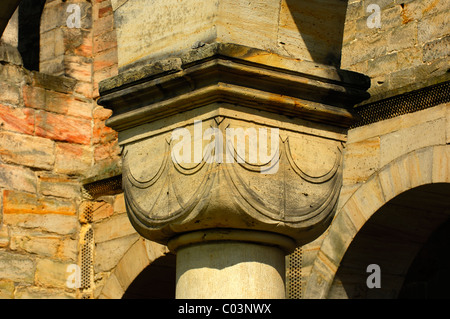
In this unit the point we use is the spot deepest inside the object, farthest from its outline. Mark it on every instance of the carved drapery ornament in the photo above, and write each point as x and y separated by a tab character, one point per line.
290	188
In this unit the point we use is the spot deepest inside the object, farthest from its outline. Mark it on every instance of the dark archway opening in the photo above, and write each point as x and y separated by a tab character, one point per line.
156	281
429	274
30	12
407	238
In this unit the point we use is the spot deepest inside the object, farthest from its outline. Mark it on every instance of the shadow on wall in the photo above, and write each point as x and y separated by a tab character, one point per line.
30	12
321	26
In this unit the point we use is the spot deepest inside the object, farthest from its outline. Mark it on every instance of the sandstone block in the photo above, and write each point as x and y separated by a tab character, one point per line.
30	292
114	227
17	178
80	159
35	243
107	151
403	37
433	27
34	96
48	214
441	164
119	204
16	267
19	120
368	205
15	202
27	150
102	133
58	185
68	249
4	236
59	127
6	289
78	67
436	49
9	93
112	289
51	273
68	105
382	65
361	160
395	144
125	272
109	253
355	213
367	48
337	241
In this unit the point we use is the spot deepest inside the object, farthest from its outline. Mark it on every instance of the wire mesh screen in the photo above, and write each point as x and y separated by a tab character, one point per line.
294	274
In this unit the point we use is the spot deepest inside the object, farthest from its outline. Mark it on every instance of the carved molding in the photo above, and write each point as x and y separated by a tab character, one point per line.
293	192
165	197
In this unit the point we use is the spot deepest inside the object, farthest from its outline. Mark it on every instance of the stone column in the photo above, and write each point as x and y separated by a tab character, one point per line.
232	150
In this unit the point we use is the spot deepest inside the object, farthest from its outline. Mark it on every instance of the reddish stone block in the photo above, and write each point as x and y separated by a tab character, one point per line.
105	59
19	120
105	11
78	67
102	133
59	127
105	41
67	104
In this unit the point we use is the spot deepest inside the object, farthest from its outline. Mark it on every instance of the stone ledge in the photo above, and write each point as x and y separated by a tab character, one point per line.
233	74
146	68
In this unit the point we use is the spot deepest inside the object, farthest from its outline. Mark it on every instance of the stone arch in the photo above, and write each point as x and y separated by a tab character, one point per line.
429	165
140	255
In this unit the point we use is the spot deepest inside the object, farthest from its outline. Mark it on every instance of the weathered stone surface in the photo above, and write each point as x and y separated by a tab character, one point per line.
51	273
125	272
18	178
59	127
16	267
58	185
23	203
114	227
35	243
10	54
6	289
4	236
361	160
285	27
81	159
27	150
108	253
42	293
19	120
394	144
112	289
29	211
436	49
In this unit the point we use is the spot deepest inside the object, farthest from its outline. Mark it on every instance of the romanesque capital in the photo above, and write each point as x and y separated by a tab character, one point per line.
231	137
